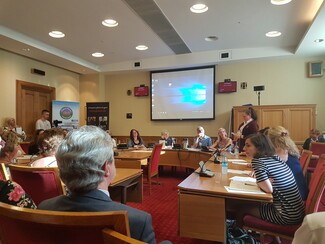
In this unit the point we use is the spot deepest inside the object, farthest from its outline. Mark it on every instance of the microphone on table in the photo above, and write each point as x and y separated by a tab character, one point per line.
204	171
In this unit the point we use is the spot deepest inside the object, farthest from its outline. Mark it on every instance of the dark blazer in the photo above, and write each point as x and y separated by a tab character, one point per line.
95	201
251	128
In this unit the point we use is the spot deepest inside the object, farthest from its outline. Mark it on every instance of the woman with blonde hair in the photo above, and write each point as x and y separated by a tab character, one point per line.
287	150
10	125
223	143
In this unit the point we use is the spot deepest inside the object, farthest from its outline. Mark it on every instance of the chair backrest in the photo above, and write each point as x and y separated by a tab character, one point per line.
40	183
3	172
154	159
305	159
23	225
316	187
317	148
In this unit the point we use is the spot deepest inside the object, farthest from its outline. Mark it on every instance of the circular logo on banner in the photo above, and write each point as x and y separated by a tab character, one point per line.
66	113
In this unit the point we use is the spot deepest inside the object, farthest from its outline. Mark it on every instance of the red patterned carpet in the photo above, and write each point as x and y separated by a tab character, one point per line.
162	204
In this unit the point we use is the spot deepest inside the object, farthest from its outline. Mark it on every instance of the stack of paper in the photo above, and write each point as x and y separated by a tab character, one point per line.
238	161
236	171
243	185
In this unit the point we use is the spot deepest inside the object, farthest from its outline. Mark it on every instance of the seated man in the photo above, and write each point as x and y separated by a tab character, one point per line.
165	136
86	163
201	139
314	136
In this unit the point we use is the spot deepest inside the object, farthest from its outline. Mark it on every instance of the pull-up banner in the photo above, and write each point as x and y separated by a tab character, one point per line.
65	114
98	114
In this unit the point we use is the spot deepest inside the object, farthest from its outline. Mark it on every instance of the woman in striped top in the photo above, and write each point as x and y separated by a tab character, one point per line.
274	176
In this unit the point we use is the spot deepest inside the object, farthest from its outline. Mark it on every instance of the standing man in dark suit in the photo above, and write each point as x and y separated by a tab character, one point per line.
86	163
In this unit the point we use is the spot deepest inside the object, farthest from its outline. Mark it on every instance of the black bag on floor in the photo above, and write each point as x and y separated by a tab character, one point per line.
237	235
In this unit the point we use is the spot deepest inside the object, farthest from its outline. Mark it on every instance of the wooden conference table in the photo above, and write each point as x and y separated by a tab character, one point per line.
127	185
202	203
188	158
132	159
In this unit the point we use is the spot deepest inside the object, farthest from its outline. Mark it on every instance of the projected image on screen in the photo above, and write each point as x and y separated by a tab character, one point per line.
183	94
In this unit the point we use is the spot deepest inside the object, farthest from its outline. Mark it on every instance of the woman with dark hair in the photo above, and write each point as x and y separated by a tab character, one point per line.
33	147
135	139
248	127
273	176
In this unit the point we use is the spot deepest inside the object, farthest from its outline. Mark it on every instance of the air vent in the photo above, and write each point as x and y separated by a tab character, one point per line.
38	72
224	55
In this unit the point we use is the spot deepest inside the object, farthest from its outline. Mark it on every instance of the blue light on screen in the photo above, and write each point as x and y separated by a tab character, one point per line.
195	94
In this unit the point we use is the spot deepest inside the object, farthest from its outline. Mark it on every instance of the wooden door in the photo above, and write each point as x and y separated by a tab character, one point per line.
31	100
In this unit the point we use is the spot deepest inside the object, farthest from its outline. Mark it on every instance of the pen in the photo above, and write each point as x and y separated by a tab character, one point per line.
250	184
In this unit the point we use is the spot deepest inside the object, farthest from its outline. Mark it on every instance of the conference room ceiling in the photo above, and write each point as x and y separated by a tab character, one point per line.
174	35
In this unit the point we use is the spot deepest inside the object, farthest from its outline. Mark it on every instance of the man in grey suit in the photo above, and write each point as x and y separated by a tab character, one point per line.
86	163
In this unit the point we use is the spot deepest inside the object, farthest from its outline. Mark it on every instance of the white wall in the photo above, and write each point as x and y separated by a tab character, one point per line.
15	67
285	82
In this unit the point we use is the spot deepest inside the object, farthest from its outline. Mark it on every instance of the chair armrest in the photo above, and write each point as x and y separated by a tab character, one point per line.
114	237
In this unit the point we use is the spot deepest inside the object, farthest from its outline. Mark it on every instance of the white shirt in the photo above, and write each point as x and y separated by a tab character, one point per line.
40	124
312	230
49	161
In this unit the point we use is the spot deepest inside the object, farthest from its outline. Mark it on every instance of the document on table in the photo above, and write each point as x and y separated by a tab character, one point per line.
238	161
236	171
244	185
243	179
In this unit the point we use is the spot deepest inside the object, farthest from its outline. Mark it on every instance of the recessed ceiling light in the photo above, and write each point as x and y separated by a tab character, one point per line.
319	40
211	38
280	2
98	55
110	22
141	47
57	34
26	49
273	34
199	8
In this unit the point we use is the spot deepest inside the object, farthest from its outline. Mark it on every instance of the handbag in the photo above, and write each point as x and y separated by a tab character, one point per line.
237	235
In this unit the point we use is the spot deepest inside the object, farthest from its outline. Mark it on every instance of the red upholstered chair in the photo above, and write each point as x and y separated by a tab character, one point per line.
152	168
304	160
317	148
23	225
313	204
39	183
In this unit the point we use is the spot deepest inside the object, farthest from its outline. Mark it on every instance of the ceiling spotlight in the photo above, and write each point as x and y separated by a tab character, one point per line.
26	49
199	8
98	55
56	34
211	38
319	40
141	47
273	34
280	2
110	22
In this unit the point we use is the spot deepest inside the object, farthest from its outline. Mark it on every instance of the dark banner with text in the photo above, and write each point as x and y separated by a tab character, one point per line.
98	114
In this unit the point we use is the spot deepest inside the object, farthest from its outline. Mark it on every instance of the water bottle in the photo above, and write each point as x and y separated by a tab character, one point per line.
236	152
224	165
